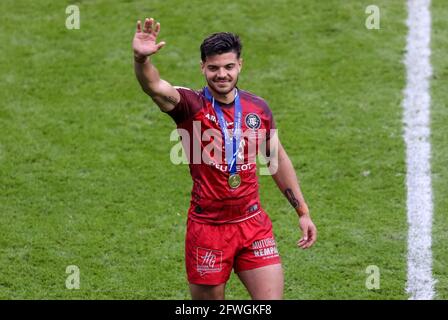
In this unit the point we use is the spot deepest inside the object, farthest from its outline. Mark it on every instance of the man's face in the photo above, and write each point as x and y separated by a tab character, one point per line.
221	71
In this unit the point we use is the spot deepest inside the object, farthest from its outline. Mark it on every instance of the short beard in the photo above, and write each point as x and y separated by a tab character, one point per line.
211	85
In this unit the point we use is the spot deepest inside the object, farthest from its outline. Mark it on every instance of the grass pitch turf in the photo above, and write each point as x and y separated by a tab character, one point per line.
85	175
439	109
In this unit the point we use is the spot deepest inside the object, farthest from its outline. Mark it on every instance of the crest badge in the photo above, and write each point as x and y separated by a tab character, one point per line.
253	121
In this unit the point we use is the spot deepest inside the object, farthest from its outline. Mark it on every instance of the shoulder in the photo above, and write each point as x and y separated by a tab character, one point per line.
256	102
190	103
190	97
188	91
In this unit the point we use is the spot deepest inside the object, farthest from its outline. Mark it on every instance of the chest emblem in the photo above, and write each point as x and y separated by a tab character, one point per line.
253	121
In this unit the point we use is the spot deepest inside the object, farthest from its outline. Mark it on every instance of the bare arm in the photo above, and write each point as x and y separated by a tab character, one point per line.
144	45
285	177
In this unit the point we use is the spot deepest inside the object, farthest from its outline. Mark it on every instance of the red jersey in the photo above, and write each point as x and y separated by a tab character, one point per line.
212	199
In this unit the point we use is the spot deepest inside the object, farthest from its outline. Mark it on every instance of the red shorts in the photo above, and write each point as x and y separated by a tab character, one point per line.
212	250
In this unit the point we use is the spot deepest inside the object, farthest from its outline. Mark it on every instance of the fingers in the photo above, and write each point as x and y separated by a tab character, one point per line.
303	244
160	45
309	238
150	26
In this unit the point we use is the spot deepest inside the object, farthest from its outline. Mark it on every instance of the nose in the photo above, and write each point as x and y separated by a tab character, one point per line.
221	73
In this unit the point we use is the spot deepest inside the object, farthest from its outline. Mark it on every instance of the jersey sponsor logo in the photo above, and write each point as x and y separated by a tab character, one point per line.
253	121
265	248
204	145
211	117
208	260
224	167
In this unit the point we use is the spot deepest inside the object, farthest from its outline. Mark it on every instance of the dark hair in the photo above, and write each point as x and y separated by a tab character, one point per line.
220	42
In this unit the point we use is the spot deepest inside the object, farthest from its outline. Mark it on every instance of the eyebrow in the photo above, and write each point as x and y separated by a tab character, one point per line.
216	66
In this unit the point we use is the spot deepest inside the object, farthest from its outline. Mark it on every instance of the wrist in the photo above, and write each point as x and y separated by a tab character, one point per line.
140	58
303	211
304	215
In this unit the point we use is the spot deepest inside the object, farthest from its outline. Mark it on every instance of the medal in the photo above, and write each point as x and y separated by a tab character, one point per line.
232	141
234	180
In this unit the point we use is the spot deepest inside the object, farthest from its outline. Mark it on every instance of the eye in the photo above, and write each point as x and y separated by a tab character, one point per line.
212	68
230	66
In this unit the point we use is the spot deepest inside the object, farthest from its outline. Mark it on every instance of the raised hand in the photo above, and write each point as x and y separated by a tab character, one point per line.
144	43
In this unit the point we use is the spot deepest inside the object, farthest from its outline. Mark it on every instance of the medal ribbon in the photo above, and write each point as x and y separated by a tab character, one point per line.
231	143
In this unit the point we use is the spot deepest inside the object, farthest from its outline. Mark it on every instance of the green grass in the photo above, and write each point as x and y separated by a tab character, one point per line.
85	176
439	145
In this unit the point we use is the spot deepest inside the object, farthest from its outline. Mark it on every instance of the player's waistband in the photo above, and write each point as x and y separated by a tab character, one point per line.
225	211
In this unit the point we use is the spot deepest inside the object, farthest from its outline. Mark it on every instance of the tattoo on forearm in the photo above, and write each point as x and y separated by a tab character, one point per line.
170	100
291	198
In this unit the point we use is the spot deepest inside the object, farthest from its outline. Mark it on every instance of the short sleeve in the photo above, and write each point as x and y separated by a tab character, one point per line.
190	102
270	122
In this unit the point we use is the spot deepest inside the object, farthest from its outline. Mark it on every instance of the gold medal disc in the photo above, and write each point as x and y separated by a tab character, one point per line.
234	181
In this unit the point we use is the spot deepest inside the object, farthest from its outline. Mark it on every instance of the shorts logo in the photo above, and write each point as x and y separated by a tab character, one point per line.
265	248
208	260
253	121
253	208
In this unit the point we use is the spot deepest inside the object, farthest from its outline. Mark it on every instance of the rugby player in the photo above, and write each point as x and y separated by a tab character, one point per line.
227	227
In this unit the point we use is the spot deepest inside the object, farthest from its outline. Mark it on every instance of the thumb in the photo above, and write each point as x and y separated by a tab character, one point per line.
304	228
160	45
305	233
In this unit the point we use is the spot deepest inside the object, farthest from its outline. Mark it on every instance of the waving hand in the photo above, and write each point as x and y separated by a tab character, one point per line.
144	43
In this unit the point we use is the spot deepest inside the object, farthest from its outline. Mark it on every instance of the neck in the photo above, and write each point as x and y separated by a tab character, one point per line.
223	98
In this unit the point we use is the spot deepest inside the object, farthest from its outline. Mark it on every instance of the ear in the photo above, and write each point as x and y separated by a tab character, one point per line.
240	63
202	64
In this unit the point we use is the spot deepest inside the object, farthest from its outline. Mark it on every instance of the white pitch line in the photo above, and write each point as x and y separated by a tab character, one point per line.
416	104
